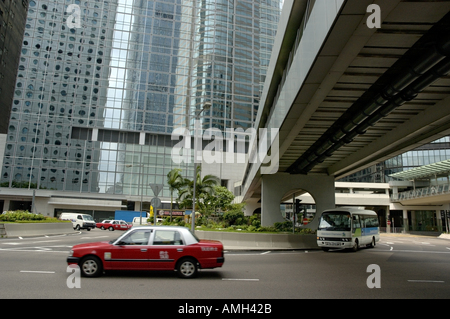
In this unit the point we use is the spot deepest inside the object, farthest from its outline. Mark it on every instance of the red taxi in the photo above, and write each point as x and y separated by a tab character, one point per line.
113	225
149	248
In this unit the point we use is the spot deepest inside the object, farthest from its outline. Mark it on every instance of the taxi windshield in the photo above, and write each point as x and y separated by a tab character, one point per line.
335	221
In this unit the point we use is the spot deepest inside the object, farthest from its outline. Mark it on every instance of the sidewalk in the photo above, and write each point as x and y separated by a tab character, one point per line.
444	236
257	241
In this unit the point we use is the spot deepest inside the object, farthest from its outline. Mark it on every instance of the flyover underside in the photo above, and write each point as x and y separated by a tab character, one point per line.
390	96
369	95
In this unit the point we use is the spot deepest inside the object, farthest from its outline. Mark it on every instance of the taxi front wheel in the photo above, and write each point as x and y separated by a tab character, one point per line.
187	268
91	266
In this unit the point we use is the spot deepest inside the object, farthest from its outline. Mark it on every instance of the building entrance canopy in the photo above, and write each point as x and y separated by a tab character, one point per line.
432	170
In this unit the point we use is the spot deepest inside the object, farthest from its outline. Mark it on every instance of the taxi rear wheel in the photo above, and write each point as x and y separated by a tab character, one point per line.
187	268
91	266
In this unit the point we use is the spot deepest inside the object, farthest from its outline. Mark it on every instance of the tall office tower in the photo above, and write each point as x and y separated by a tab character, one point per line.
12	23
96	102
62	82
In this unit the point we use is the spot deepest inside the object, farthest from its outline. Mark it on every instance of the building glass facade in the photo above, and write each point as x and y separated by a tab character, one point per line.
95	102
434	152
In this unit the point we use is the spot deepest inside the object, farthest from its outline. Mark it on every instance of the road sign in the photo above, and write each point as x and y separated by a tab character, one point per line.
155	202
156	188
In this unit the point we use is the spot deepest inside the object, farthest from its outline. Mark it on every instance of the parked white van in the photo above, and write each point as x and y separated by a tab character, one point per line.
79	221
137	221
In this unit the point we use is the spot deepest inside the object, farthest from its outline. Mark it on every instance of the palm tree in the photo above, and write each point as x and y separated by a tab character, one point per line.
203	185
175	182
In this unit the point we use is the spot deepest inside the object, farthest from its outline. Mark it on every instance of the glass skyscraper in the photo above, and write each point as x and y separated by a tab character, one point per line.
95	103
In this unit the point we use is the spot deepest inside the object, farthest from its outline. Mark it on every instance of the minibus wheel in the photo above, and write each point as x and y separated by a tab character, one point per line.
356	245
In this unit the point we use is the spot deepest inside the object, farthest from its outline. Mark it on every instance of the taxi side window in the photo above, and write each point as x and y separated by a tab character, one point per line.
139	237
167	237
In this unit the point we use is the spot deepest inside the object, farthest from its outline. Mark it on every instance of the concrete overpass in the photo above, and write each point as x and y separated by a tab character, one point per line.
345	96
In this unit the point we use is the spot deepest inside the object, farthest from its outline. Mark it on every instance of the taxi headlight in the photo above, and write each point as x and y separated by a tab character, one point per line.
70	253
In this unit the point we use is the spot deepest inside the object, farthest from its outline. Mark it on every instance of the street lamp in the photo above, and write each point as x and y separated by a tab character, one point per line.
206	106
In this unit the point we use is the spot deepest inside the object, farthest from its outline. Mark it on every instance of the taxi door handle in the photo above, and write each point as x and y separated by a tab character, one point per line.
180	250
143	250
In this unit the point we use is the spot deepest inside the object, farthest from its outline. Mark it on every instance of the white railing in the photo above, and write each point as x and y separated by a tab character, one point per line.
421	192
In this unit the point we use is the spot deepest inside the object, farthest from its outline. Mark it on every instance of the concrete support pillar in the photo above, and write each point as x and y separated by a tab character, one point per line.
275	186
405	220
6	205
439	224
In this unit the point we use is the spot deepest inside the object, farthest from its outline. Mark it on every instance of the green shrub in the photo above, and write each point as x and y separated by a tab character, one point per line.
255	220
283	226
19	215
233	217
267	229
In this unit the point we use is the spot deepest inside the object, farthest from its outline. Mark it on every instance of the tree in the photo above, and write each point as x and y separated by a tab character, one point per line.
220	200
175	182
204	186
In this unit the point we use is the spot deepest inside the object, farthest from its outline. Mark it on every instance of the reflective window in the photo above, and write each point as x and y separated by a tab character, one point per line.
132	66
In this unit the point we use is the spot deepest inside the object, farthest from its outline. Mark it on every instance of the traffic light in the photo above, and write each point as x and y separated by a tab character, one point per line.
298	207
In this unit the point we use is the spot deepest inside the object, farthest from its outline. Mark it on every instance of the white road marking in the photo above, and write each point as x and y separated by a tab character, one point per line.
34	249
416	251
92	237
237	279
432	281
31	242
43	241
38	271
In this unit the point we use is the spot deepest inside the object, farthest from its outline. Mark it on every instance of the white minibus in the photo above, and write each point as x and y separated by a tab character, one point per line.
348	227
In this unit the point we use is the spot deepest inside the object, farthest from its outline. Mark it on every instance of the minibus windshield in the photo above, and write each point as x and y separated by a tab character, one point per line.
335	221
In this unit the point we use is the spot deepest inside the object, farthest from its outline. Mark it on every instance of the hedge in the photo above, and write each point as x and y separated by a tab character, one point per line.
20	215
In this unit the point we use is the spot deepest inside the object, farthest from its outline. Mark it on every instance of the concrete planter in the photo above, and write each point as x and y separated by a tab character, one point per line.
34	229
249	241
